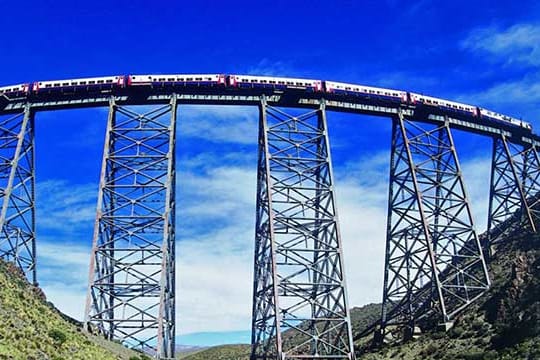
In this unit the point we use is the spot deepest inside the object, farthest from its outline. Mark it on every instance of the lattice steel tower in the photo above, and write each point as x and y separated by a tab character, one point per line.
132	271
434	261
300	308
17	196
515	188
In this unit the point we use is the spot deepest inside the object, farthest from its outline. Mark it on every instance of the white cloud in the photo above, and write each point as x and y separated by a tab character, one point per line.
519	44
268	67
65	206
525	90
222	124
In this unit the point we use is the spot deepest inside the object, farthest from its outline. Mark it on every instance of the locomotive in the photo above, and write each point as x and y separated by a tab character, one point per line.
109	83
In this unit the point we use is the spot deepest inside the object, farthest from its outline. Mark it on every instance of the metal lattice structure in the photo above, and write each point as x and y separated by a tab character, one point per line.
300	306
434	261
17	196
515	185
131	294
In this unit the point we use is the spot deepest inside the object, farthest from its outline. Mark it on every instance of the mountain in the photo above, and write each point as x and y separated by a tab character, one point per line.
32	328
503	324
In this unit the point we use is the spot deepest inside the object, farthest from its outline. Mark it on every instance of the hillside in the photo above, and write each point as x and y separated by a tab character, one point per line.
224	352
503	324
31	328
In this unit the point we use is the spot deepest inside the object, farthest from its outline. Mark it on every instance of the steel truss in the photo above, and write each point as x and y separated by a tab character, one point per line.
434	262
17	184
131	293
300	308
515	187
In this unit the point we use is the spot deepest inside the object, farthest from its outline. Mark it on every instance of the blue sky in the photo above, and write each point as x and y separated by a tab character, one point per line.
480	52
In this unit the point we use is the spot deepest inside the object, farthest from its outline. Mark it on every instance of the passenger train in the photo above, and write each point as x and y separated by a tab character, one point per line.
109	83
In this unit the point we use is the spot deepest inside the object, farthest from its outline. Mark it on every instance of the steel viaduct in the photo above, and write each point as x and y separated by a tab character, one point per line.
435	265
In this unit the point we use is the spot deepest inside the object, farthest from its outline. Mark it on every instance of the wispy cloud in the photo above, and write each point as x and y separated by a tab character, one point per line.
518	44
65	206
525	90
516	47
271	68
219	124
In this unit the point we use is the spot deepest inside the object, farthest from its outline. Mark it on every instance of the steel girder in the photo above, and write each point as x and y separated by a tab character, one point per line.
17	196
515	189
434	262
131	292
300	308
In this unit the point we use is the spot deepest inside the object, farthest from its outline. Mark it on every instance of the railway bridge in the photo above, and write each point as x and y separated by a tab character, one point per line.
435	264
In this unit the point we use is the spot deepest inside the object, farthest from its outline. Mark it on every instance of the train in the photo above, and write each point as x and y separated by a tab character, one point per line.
339	89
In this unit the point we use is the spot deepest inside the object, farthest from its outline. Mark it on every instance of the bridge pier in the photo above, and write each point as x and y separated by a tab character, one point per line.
434	262
515	184
17	191
131	292
300	308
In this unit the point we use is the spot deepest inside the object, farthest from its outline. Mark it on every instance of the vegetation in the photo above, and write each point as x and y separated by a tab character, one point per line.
224	352
504	324
31	328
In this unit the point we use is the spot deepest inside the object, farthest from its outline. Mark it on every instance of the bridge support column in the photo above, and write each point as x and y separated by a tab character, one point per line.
131	293
515	185
434	263
300	308
17	197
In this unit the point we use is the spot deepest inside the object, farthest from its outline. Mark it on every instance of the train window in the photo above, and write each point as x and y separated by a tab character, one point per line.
181	79
271	82
170	79
91	82
198	79
109	81
100	81
263	81
290	83
83	82
281	82
189	79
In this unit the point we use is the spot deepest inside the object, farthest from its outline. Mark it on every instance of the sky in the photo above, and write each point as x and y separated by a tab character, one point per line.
484	53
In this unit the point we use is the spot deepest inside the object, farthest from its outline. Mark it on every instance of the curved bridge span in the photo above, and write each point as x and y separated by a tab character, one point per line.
435	265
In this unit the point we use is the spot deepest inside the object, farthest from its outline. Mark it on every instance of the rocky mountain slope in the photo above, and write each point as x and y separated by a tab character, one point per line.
32	329
504	324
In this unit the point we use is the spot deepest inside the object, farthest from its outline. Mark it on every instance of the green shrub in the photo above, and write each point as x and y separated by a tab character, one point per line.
456	332
58	336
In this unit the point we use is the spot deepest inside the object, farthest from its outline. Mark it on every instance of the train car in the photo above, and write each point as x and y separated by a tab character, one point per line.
177	80
95	83
15	90
272	82
494	116
444	104
340	88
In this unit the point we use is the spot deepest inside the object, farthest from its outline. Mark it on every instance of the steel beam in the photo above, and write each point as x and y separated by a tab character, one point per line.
300	308
131	292
434	262
514	190
17	192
